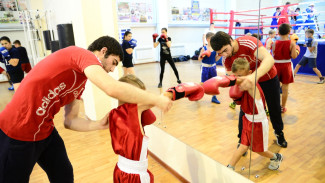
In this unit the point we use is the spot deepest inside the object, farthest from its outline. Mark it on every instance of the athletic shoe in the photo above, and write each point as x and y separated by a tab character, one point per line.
321	81
179	81
280	140
275	163
215	100
232	105
11	88
159	85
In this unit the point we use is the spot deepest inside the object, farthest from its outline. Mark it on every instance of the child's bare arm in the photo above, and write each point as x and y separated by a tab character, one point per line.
311	49
145	107
257	94
293	50
200	58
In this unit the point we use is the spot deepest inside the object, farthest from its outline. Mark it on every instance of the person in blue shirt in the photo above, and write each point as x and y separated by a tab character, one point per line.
275	19
128	46
299	20
311	17
208	68
10	57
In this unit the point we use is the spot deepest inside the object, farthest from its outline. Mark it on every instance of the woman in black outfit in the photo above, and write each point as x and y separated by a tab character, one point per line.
165	43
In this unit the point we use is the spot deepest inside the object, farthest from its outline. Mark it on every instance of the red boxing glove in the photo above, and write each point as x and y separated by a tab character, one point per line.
235	93
206	53
297	50
163	36
147	117
212	85
154	36
193	91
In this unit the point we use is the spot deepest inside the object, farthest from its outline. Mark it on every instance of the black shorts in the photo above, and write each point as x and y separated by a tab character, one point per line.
311	62
127	63
17	159
16	76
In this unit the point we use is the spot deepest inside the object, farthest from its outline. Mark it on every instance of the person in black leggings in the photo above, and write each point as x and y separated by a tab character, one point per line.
165	43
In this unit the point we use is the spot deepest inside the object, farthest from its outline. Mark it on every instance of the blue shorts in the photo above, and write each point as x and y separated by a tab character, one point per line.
311	62
274	22
312	26
298	26
208	72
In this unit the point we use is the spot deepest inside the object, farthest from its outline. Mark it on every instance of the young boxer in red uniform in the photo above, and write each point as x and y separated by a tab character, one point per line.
252	114
129	141
283	50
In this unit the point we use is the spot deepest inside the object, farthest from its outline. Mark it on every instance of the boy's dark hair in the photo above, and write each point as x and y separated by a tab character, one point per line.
126	34
311	31
5	38
212	23
219	40
284	29
164	29
113	46
297	9
287	3
277	8
17	42
209	35
259	37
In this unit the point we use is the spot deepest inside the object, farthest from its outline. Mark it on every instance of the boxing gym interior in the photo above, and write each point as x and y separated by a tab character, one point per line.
195	140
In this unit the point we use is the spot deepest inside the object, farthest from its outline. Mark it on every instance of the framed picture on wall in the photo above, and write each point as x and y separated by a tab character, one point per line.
135	12
10	14
188	12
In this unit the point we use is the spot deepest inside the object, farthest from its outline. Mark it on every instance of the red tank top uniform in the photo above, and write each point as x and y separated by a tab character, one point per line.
130	144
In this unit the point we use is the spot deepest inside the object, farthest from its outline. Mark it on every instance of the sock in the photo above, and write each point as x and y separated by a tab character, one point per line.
321	78
274	157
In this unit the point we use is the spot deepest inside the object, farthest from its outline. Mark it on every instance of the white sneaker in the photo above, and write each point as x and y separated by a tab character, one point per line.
275	164
321	82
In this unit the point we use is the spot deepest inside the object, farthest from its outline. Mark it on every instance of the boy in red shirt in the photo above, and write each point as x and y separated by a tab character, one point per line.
283	50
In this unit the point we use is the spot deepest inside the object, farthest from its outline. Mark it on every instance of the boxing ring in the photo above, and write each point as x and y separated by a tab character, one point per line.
239	25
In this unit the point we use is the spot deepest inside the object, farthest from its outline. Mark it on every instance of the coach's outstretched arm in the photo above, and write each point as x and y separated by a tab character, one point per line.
125	92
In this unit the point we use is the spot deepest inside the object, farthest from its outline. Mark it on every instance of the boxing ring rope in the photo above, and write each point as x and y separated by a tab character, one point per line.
232	20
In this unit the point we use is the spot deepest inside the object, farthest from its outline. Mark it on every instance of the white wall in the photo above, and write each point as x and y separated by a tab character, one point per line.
188	35
63	11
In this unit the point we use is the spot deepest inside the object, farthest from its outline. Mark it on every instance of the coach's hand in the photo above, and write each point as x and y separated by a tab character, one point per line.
247	82
164	103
